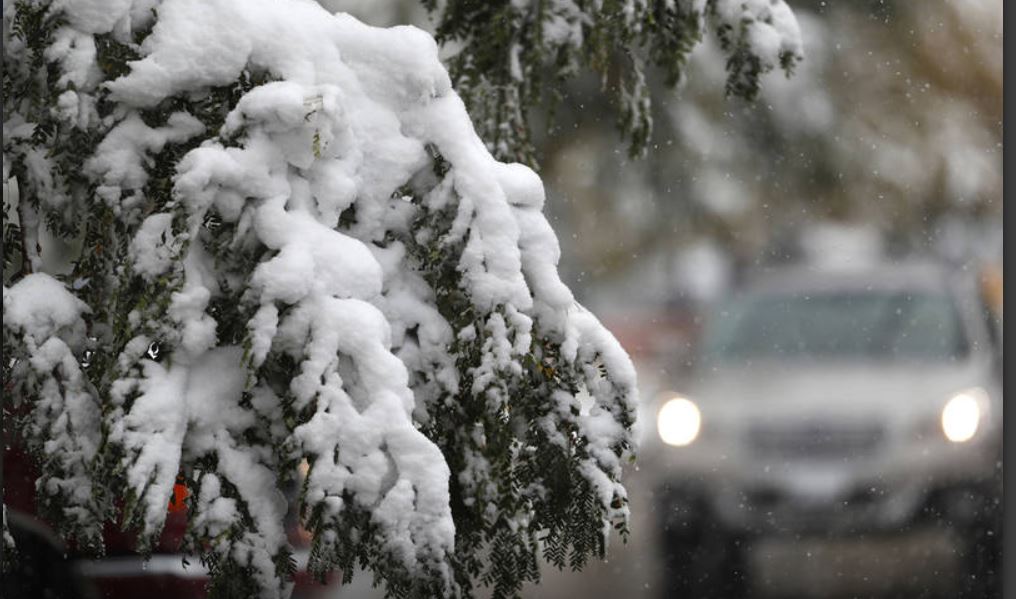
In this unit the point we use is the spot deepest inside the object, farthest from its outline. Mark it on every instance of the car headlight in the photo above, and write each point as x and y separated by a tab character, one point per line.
962	415
678	422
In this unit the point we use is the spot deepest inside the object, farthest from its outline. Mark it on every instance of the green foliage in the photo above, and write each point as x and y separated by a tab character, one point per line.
534	498
515	57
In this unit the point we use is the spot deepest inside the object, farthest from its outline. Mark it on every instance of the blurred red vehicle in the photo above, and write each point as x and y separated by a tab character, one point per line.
121	573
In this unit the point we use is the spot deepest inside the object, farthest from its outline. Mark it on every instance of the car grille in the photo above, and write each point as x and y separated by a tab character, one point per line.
818	441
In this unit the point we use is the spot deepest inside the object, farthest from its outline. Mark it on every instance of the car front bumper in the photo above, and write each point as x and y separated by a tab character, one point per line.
958	485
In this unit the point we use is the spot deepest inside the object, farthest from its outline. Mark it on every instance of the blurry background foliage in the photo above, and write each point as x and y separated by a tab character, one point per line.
891	126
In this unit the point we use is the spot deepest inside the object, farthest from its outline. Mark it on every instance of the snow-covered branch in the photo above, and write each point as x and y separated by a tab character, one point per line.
300	261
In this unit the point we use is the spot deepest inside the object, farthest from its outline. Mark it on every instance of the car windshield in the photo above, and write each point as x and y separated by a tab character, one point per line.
827	325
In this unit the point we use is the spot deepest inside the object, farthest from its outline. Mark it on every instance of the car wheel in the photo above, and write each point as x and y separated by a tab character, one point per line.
982	560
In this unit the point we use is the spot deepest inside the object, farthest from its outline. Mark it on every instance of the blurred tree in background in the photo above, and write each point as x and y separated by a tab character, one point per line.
892	123
512	61
512	57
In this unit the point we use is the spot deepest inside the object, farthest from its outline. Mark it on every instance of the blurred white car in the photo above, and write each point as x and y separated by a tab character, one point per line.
838	406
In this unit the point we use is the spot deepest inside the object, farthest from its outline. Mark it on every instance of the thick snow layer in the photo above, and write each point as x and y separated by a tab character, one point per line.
772	29
65	413
349	117
94	16
329	132
118	162
39	306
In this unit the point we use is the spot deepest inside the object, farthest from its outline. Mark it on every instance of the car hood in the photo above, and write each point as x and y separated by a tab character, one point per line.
786	392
